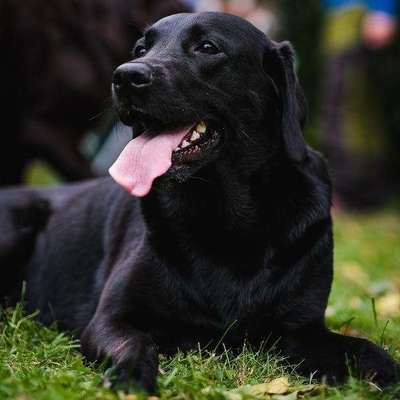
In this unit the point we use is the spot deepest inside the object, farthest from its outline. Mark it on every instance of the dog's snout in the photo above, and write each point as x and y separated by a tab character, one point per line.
132	75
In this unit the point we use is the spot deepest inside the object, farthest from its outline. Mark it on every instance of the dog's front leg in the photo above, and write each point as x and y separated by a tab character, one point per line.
133	353
116	332
328	355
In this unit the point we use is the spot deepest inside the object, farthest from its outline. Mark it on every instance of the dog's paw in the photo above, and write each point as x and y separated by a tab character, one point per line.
138	372
377	365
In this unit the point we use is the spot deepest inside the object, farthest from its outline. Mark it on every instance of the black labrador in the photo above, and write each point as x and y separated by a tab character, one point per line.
232	234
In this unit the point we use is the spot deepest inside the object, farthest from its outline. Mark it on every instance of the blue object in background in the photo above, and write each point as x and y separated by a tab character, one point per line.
386	6
193	4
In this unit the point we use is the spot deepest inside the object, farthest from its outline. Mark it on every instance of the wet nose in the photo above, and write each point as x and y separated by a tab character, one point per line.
132	75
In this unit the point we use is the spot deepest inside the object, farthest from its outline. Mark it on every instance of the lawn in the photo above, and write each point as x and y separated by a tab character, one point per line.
43	364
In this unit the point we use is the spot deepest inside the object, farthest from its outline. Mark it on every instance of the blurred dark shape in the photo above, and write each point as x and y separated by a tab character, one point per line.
369	174
352	132
57	59
302	25
383	74
352	135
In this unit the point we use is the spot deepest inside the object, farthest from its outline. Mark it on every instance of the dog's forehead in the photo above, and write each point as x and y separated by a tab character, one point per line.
226	25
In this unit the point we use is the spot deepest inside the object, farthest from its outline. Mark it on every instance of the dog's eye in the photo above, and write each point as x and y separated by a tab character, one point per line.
207	47
140	51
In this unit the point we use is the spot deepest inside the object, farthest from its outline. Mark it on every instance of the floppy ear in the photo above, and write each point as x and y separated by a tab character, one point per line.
279	65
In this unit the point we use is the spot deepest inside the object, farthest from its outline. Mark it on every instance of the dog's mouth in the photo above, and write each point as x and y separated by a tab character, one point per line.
151	155
196	143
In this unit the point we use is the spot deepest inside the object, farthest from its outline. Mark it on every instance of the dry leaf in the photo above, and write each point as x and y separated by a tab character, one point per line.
277	386
298	392
389	305
227	394
310	390
289	396
278	389
348	330
130	397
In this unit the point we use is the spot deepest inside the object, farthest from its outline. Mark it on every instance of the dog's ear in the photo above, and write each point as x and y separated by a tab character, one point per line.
279	65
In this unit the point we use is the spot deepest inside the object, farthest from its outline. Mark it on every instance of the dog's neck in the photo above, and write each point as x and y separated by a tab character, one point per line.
211	197
215	210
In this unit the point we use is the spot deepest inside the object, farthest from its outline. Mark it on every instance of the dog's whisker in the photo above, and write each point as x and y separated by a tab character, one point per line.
99	114
198	178
247	136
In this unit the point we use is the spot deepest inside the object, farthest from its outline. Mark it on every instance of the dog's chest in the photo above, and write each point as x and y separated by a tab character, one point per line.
215	301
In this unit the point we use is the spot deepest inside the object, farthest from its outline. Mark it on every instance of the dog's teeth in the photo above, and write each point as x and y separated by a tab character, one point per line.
201	127
195	135
185	144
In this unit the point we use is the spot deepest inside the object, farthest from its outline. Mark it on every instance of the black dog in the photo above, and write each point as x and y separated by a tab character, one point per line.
234	230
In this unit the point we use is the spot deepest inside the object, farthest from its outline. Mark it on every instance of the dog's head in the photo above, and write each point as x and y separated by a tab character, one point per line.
206	88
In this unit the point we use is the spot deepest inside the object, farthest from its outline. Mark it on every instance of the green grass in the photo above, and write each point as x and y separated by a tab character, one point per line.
40	363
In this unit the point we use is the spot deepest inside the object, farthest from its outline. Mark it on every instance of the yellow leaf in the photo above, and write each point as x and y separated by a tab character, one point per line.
226	394
289	396
277	386
130	397
348	330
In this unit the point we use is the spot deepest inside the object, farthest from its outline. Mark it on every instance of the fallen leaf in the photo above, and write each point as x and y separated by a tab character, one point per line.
289	396
278	389
299	392
227	394
348	330
130	397
277	386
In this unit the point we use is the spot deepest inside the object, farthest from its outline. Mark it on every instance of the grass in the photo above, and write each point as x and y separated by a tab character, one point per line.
42	364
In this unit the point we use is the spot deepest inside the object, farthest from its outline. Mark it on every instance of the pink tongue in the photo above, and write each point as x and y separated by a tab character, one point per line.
144	159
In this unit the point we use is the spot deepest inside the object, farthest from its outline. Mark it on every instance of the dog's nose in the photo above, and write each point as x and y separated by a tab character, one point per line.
132	75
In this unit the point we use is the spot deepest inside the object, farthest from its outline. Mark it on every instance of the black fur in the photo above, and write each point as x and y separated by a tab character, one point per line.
240	239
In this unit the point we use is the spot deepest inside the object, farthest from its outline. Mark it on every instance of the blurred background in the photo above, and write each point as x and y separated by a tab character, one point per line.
57	60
